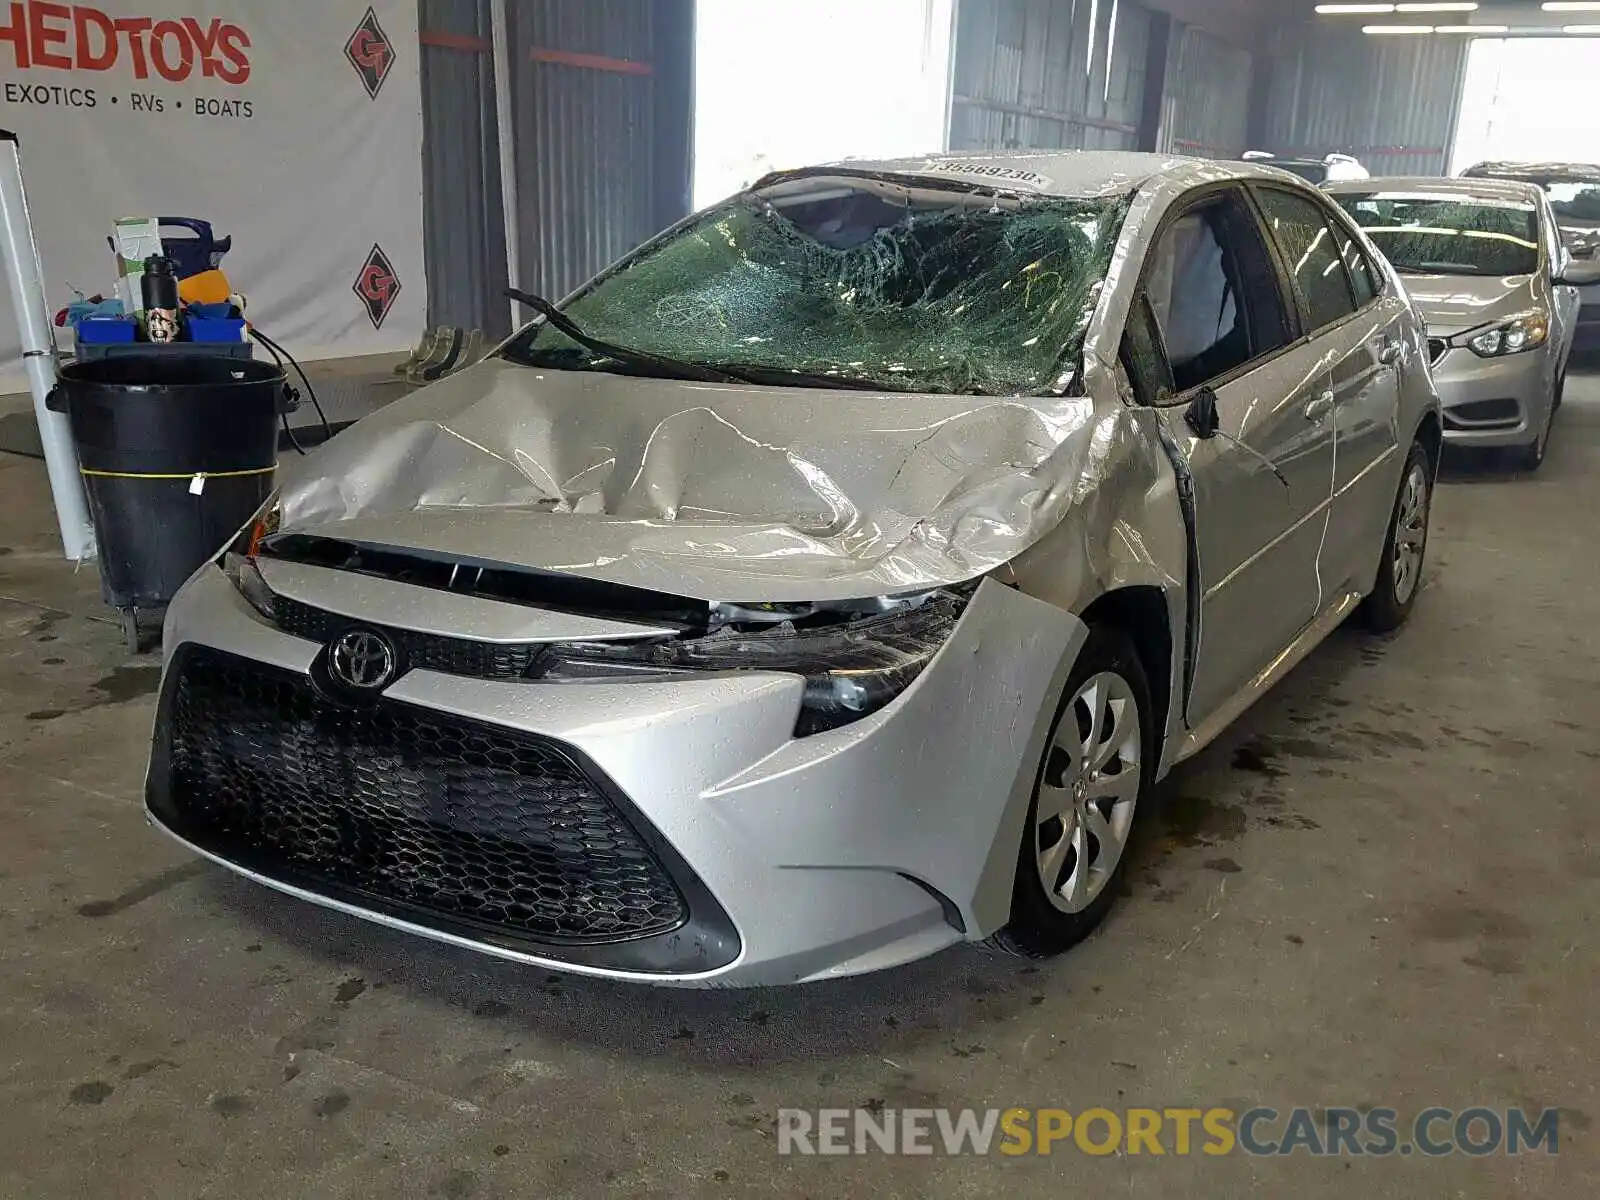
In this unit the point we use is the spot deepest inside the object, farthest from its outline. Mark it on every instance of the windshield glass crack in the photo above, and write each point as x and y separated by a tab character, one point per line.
853	282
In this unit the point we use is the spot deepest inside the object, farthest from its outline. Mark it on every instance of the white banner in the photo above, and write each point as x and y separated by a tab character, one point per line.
293	126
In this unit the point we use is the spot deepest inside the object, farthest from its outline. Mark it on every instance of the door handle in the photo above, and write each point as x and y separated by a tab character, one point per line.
1389	351
1316	409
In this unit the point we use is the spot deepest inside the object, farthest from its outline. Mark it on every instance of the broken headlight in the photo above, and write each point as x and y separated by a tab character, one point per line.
238	561
851	668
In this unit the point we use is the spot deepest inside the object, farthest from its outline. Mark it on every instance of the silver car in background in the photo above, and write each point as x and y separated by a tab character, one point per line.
827	583
1330	168
1484	263
1573	190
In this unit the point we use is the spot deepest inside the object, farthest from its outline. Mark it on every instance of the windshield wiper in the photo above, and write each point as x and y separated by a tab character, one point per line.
670	367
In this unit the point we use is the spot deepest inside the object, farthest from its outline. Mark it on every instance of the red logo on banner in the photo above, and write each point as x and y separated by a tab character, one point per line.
76	37
370	52
377	286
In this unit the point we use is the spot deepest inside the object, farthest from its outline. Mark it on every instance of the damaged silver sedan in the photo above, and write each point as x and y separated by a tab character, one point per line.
827	583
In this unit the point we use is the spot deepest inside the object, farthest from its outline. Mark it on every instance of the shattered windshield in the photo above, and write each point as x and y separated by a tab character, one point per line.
1438	235
834	281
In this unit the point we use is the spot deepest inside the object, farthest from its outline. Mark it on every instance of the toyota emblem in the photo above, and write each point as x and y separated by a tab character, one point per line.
362	660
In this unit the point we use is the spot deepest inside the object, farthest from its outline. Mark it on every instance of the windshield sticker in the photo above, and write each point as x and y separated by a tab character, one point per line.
988	171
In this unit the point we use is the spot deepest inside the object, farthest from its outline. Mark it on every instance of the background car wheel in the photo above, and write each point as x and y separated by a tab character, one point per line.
1404	549
1095	777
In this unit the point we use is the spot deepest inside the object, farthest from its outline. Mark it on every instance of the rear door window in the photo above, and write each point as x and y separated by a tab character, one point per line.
1363	275
1311	254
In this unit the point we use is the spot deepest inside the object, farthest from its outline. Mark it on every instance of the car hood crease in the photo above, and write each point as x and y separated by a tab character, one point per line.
710	491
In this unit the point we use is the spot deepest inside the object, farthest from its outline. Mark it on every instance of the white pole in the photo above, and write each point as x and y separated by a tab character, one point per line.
503	115
26	278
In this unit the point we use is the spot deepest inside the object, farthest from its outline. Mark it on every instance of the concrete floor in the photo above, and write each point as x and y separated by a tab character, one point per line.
1377	890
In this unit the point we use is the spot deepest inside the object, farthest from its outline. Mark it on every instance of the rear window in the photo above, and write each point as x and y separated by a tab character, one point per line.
1445	235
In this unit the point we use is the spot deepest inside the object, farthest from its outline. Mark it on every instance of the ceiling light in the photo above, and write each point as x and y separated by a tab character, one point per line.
1453	7
1486	29
1337	9
1582	30
1572	6
1385	30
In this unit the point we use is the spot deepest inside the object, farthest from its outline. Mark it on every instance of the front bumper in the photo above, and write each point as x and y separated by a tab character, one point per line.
844	852
1493	402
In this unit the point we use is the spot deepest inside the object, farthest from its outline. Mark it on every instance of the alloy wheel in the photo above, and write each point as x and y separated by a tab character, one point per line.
1410	533
1088	792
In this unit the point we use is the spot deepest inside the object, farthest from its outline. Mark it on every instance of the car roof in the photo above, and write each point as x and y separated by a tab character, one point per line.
1489	189
1077	174
1533	170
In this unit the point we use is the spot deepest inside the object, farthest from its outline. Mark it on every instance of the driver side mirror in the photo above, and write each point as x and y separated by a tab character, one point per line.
1202	414
1580	272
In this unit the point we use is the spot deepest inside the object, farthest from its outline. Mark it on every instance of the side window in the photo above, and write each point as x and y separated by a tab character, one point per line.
1302	233
1211	294
1363	276
1142	354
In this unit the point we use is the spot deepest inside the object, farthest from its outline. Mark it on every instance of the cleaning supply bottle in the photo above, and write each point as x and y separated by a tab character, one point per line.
159	288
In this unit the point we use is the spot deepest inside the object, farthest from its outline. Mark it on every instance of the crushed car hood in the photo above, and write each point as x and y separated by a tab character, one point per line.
709	491
1456	303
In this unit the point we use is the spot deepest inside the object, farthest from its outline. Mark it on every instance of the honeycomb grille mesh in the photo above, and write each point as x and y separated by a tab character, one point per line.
407	805
416	651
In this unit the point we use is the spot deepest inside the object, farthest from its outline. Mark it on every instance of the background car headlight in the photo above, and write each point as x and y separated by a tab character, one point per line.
238	561
851	668
1527	332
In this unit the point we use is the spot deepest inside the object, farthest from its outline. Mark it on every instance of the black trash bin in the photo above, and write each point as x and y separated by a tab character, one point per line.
177	453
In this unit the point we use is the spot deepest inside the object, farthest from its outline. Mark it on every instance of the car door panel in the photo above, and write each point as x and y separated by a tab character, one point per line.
1366	391
1262	479
1359	322
1257	536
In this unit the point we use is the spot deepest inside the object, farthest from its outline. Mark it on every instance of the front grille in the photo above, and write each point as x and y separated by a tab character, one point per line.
403	805
416	651
1437	349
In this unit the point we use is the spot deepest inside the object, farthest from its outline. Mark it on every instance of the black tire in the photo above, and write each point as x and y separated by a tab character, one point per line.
1039	929
1386	608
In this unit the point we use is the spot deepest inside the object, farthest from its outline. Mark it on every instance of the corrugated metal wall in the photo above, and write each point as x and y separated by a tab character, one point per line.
1392	102
1048	74
601	118
464	231
586	136
1207	106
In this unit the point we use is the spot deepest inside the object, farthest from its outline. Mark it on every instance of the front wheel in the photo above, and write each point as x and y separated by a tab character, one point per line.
1095	777
1404	548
